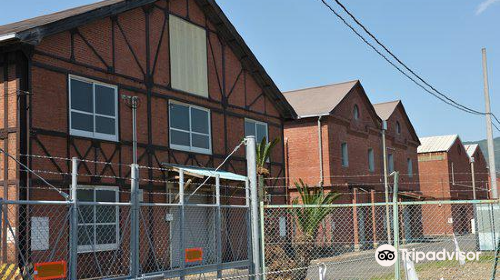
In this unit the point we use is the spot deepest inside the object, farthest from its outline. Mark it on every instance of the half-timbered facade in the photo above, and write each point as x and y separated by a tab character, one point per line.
64	79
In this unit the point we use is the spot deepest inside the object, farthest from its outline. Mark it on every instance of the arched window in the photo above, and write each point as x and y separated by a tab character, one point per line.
398	127
355	112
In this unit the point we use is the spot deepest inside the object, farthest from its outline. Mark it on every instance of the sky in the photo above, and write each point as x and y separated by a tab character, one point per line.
302	44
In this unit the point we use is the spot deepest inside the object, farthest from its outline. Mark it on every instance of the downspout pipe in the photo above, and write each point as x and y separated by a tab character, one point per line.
320	149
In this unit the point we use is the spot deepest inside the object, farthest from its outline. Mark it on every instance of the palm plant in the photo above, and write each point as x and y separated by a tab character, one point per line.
308	220
263	153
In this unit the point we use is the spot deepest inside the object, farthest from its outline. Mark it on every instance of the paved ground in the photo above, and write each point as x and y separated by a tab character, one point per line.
362	265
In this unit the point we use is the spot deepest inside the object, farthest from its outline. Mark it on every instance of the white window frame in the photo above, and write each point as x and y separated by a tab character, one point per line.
94	134
344	158
255	123
409	162
190	148
101	247
371	160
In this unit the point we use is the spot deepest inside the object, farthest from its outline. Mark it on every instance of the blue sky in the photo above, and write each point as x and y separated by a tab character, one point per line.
302	44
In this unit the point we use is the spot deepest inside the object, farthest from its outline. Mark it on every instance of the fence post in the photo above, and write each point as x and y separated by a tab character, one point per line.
218	227
73	247
395	221
254	194
181	225
134	222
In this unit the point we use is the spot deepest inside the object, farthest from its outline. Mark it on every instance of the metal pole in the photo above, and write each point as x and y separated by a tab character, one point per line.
218	227
182	256
395	221
386	184
473	178
489	130
73	247
134	221
254	203
134	129
262	241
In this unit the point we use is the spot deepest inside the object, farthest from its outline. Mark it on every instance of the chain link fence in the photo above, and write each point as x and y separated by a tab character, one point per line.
344	237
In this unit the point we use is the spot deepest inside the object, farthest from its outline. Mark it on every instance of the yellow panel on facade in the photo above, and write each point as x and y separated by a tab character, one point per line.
188	57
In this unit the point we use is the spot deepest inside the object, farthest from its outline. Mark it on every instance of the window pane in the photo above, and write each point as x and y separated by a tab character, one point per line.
201	141
261	132
85	235
82	122
249	128
105	125
105	100
105	234
85	195
105	196
179	138
179	116
105	214
81	96
199	121
86	215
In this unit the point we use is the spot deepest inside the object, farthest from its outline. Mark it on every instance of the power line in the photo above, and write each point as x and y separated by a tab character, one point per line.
436	93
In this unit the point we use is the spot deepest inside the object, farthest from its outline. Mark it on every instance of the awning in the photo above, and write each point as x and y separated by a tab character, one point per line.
206	172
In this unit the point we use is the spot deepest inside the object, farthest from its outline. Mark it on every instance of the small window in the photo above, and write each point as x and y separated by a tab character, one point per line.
98	228
190	128
410	168
345	155
459	150
93	109
398	127
371	160
390	163
257	129
188	57
355	112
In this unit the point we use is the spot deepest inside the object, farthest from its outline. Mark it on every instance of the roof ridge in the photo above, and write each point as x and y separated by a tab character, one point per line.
387	102
323	86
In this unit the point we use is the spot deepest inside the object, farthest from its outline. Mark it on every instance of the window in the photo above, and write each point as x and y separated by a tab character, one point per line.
257	129
345	155
188	57
93	109
190	128
390	163
410	168
355	112
371	160
398	127
97	225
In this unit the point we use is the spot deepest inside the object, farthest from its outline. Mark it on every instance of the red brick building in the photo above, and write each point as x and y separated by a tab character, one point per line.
336	143
201	90
445	174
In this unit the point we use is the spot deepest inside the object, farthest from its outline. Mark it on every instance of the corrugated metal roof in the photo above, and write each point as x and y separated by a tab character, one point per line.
318	101
208	172
385	110
471	149
436	143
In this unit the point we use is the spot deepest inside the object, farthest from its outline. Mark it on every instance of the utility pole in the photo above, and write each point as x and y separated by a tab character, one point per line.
133	103
386	184
489	131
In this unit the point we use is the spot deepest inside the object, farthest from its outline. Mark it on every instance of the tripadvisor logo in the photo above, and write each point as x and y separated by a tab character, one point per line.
386	255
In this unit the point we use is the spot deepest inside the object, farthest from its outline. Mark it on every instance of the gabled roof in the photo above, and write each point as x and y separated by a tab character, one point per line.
319	101
384	110
471	149
33	30
436	143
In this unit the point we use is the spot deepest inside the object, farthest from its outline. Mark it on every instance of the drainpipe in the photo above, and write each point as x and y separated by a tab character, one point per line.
320	148
386	184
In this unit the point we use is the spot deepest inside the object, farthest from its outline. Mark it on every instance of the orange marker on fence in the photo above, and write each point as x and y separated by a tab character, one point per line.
194	255
50	270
